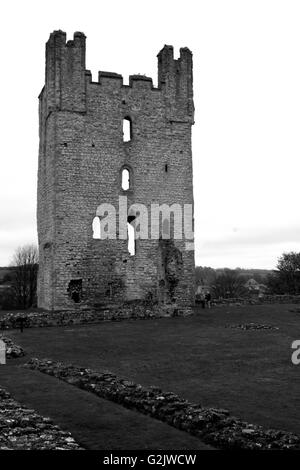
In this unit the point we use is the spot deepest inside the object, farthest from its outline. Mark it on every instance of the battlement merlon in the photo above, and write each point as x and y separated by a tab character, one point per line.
168	66
175	76
65	72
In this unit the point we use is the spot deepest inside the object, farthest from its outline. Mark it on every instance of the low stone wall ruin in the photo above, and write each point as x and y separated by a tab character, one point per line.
127	311
213	426
13	350
24	429
266	299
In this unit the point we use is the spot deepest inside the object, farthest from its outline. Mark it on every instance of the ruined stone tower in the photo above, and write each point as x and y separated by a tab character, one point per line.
83	157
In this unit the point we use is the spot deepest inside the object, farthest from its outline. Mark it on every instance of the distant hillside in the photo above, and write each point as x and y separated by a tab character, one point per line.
206	275
5	273
253	273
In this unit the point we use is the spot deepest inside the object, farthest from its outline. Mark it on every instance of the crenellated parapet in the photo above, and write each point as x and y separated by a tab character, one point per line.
67	78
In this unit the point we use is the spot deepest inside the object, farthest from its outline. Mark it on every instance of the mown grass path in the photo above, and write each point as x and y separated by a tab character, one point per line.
94	423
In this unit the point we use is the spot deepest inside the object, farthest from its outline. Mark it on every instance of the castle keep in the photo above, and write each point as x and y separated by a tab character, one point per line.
85	162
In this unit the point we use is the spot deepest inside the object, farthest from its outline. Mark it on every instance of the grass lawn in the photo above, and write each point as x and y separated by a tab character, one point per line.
93	422
248	372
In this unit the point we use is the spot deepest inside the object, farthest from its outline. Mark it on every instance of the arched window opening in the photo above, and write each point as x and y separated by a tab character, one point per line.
96	228
131	239
127	129
125	179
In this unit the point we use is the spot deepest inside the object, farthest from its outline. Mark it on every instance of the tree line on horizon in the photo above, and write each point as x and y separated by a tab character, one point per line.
18	283
225	282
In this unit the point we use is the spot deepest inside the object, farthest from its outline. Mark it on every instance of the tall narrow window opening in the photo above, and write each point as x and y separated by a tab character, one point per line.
127	129
131	239
96	228
125	179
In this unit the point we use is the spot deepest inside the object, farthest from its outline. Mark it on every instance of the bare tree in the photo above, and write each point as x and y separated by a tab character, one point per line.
24	278
229	284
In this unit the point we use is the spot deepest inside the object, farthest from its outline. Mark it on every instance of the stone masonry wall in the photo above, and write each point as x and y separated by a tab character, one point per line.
81	157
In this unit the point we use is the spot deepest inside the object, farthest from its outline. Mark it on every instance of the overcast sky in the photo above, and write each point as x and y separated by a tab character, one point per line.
246	145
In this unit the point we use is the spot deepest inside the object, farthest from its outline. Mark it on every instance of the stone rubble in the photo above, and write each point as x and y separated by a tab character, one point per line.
12	350
253	326
213	426
23	429
128	311
265	299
